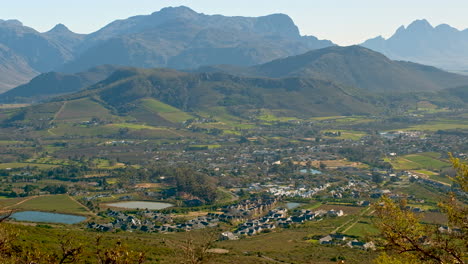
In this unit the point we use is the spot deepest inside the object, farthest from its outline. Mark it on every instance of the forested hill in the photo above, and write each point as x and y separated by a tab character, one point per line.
354	66
241	95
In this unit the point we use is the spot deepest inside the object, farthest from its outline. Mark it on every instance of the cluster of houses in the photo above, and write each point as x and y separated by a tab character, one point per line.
287	191
277	218
339	239
151	221
246	209
256	216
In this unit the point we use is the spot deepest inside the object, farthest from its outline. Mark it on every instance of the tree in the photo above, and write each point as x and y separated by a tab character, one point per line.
377	177
410	241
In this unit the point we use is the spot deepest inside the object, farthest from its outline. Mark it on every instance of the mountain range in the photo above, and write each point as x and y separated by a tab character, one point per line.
175	37
442	46
317	83
249	55
352	67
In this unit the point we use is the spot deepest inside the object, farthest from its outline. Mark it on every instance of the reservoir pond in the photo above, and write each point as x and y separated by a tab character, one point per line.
141	205
44	217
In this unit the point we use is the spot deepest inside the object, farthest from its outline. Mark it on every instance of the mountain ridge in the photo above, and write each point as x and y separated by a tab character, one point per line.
442	46
181	38
354	66
176	37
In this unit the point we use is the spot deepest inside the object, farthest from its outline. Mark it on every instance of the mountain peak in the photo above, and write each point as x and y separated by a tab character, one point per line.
59	28
179	10
446	28
11	22
420	24
279	24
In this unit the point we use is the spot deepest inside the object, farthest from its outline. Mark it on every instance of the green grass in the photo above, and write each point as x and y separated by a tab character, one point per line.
269	116
10	142
441	124
362	228
82	110
166	111
425	161
321	118
429	173
422	192
176	117
53	203
8	202
343	119
225	120
437	177
105	164
52	161
158	106
67	129
23	165
205	146
147	131
402	164
134	126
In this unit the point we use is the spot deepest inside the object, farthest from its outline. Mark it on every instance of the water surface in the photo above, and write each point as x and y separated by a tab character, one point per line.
141	205
291	206
43	217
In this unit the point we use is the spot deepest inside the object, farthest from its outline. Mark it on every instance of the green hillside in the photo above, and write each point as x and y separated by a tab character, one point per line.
82	110
48	85
354	66
129	89
165	111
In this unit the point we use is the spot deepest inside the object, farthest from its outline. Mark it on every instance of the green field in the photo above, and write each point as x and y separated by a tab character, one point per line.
9	142
67	129
226	121
134	126
166	111
422	192
343	119
362	228
82	110
425	161
272	116
105	164
23	165
53	203
441	124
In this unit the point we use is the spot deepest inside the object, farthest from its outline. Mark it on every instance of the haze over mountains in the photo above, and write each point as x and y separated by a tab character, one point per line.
353	67
442	46
52	84
173	37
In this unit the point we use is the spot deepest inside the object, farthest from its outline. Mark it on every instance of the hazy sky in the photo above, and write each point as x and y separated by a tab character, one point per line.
345	22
